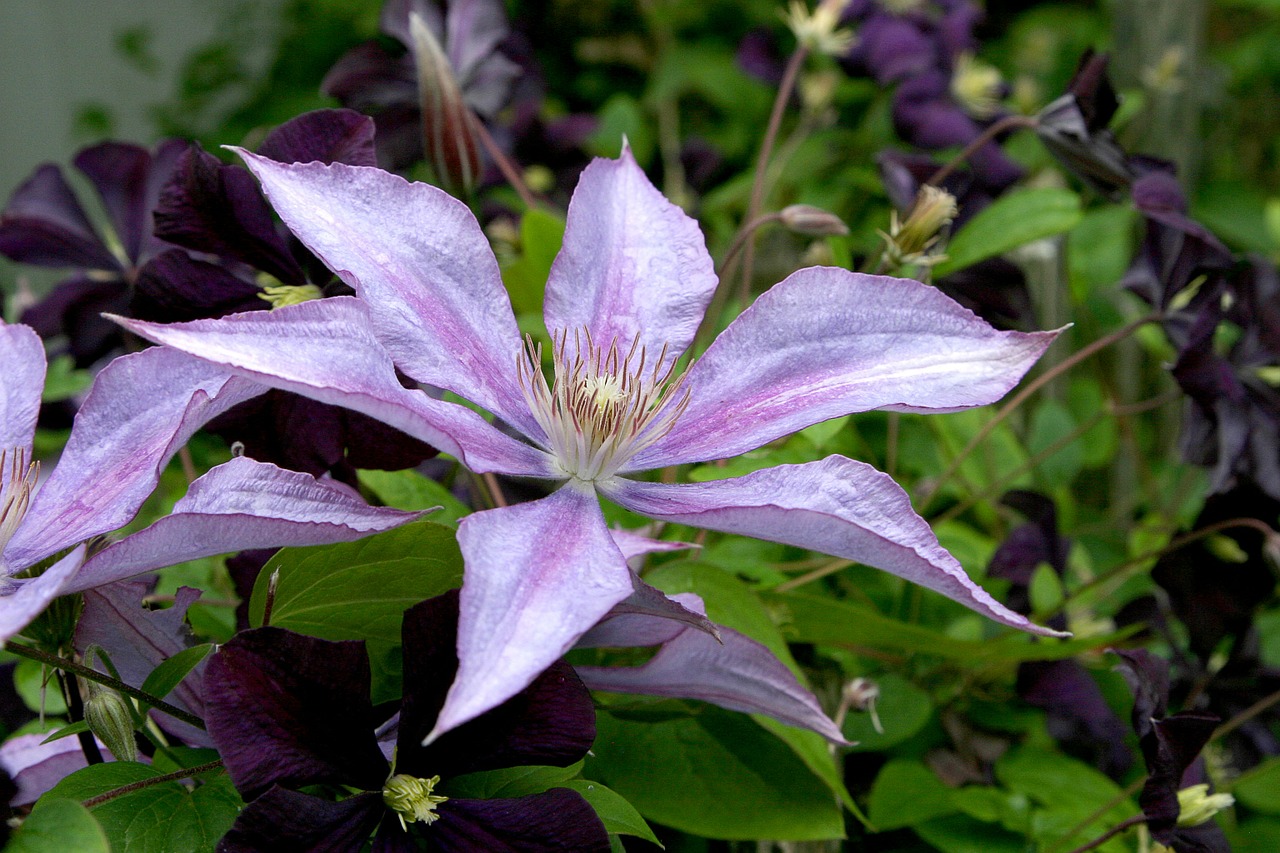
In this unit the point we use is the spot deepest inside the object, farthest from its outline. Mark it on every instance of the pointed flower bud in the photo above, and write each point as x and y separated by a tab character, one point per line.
411	797
108	716
1196	805
448	136
812	221
818	30
908	242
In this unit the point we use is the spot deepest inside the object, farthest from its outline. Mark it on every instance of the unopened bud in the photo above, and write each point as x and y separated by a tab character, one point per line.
819	30
812	221
861	695
909	241
1196	805
448	137
108	716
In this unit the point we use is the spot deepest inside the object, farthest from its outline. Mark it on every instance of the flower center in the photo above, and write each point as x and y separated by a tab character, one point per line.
604	405
17	480
411	797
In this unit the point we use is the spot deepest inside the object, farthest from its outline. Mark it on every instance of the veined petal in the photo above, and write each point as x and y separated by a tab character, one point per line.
837	506
24	600
325	349
141	409
633	264
239	505
827	342
22	355
555	820
419	258
538	575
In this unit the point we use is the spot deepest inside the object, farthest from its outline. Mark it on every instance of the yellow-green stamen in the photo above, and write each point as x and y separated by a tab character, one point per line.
17	481
412	798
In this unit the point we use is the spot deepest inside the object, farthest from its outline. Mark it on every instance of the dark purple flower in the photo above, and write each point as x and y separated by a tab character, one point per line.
1074	129
44	224
289	711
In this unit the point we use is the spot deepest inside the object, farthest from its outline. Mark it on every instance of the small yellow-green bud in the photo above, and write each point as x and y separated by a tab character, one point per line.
290	294
819	30
411	797
812	221
107	714
1196	805
909	241
539	178
977	86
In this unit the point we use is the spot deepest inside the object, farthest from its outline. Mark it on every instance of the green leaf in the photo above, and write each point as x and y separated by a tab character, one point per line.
618	816
541	233
360	590
963	834
1045	590
510	782
59	825
412	491
38	687
716	774
62	381
1051	424
169	674
903	710
1013	220
1260	788
622	116
906	793
67	731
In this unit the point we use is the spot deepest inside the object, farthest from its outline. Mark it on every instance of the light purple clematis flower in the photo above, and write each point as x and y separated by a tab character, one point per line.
141	410
623	303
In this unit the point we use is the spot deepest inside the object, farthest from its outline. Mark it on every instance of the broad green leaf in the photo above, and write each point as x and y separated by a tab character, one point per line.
360	590
1045	590
907	793
1099	250
510	782
62	381
412	491
903	709
963	834
1068	792
1013	220
1260	788
716	774
1098	443
541	233
618	816
169	674
1052	424
1255	835
59	825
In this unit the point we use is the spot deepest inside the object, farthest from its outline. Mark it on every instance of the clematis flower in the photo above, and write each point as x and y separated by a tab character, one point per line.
288	711
140	410
623	302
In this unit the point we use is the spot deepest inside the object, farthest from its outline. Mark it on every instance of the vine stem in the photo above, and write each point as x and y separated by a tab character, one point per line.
1111	833
1022	396
1007	123
23	650
785	89
175	776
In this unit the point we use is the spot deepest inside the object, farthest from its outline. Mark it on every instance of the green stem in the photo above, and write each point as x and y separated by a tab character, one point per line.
88	674
176	776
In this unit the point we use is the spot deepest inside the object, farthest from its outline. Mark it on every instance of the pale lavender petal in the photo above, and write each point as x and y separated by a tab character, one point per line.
827	342
648	618
239	505
22	355
632	264
735	673
634	545
141	410
421	261
538	575
837	506
36	767
325	349
24	600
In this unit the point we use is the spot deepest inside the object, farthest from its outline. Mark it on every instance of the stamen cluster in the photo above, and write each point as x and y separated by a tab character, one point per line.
603	406
412	798
17	481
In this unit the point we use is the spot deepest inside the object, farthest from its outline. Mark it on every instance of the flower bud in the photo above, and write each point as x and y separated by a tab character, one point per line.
1196	805
108	716
448	137
812	221
861	695
977	87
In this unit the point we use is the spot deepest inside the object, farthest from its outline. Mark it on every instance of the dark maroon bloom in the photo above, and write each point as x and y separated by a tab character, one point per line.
289	711
44	224
1074	129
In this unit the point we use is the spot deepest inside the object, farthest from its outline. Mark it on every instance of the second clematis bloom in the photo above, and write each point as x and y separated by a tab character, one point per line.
623	302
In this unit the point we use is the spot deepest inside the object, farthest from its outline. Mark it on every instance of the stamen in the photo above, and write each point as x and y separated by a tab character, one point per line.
603	406
412	797
18	479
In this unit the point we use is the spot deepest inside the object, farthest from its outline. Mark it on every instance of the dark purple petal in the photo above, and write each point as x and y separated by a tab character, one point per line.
175	287
1169	749
72	309
44	224
330	136
1078	715
292	710
128	179
215	208
369	79
892	48
1148	678
550	722
283	821
760	55
555	820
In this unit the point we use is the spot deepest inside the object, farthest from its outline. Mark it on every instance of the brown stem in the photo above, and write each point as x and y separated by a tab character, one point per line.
188	464
175	776
1246	715
495	490
23	650
1111	833
503	162
745	233
1131	789
1006	123
1022	396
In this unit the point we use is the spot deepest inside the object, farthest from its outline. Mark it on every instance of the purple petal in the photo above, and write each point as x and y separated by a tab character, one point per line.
448	136
837	506
128	180
538	575
553	821
325	349
19	606
139	640
141	409
647	617
22	355
735	673
292	710
242	504
329	136
174	286
44	224
633	265
420	260
284	820
36	767
74	308
827	342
